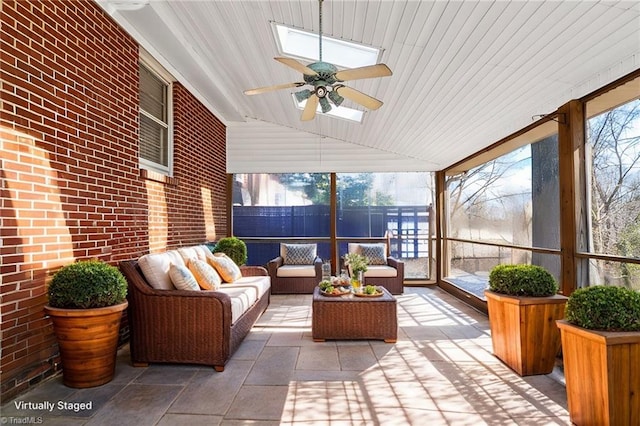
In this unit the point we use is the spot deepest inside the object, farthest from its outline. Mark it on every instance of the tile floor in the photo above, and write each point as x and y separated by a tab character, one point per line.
440	372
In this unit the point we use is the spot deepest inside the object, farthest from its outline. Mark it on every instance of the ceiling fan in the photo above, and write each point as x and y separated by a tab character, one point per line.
326	81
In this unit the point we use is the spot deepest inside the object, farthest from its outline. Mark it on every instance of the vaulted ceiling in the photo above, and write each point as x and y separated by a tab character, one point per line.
465	73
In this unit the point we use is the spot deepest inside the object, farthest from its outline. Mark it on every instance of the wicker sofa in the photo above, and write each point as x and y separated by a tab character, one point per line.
192	327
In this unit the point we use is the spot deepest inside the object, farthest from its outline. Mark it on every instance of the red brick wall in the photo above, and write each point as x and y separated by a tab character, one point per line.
71	185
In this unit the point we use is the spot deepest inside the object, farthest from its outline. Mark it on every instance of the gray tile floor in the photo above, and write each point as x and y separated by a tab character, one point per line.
440	372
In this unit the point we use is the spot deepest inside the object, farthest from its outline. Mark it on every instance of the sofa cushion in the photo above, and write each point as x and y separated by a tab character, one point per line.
296	271
298	254
206	276
242	298
376	253
182	278
203	251
188	253
380	271
155	267
261	284
226	267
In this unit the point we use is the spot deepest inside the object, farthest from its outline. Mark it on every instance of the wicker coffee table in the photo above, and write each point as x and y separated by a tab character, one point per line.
350	317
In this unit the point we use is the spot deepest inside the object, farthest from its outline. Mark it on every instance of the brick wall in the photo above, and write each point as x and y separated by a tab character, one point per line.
71	186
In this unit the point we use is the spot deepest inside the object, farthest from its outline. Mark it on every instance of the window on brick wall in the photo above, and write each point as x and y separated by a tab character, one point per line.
156	147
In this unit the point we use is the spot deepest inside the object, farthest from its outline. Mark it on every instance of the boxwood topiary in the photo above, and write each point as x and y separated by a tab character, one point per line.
87	284
605	308
233	247
522	280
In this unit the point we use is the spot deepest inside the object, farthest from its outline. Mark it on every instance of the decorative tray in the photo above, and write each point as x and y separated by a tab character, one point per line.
377	294
340	292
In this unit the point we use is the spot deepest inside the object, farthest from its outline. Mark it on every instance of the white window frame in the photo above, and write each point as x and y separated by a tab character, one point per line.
152	65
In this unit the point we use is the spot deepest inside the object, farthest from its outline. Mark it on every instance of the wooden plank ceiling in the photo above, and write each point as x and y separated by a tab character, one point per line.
465	73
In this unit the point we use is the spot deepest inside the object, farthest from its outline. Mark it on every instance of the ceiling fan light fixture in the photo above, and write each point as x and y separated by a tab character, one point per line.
324	104
335	98
303	95
327	81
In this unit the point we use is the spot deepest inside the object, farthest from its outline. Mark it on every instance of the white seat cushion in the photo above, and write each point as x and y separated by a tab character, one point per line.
296	271
380	271
261	284
241	299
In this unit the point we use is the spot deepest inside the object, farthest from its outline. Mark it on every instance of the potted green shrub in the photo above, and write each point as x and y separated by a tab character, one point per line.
86	300
601	355
523	307
233	247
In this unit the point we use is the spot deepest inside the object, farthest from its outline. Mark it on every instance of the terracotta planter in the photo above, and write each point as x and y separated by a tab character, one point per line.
602	374
523	331
88	342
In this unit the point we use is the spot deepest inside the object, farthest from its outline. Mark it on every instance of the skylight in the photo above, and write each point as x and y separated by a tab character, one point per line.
304	45
343	112
344	54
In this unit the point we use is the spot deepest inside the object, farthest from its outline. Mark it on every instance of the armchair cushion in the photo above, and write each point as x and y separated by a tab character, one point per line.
381	271
376	253
298	254
296	271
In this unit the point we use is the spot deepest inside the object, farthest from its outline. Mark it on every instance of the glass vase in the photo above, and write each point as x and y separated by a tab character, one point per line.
357	281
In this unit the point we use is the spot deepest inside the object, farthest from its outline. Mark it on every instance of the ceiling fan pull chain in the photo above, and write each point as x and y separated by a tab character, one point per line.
320	30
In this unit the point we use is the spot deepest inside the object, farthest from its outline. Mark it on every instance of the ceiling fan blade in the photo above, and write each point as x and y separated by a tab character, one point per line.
370	71
359	97
272	88
310	108
292	63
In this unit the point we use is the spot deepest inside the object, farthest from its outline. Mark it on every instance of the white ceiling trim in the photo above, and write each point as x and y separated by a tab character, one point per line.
259	147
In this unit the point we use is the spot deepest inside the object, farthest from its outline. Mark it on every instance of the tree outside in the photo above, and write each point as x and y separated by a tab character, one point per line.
614	144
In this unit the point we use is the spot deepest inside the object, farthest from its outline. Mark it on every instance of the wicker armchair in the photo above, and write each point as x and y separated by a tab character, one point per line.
389	274
294	278
179	326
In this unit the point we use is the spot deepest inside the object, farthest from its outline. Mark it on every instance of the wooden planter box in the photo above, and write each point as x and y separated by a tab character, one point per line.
523	331
602	374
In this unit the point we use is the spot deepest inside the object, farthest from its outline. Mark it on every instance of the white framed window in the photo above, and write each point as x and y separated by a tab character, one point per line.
156	112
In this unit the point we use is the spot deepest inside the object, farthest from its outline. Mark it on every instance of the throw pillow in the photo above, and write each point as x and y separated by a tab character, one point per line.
155	268
206	276
182	278
375	253
226	267
299	254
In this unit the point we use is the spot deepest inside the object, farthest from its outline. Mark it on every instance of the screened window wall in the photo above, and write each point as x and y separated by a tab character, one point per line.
503	205
612	163
396	208
505	210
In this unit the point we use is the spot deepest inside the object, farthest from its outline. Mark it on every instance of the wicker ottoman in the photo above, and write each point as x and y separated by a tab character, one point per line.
349	317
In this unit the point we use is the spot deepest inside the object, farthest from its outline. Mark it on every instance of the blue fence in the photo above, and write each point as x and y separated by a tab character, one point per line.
263	228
